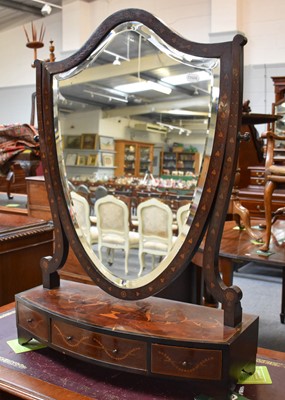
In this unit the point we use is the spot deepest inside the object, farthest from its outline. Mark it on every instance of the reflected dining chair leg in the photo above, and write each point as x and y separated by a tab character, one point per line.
100	253
269	188
153	261
126	261
141	260
110	256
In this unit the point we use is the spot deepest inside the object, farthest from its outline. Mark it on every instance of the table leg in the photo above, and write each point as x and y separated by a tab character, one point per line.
282	314
227	270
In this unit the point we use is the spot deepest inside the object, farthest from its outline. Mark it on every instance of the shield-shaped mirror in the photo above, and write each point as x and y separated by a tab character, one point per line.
136	72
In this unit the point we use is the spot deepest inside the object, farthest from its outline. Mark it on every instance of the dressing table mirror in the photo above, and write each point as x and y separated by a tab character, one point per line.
118	322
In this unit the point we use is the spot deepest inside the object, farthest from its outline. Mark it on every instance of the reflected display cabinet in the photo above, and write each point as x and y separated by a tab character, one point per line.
119	323
133	158
179	161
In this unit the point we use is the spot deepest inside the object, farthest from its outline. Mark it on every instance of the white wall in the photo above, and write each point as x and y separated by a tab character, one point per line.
261	21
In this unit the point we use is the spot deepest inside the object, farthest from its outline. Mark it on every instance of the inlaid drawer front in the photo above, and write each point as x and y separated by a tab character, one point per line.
32	321
186	362
106	348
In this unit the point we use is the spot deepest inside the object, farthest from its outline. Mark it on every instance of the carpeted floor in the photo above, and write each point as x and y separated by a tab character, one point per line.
18	200
262	287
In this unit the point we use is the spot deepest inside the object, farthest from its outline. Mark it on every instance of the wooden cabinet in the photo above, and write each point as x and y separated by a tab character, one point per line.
133	158
179	161
38	203
23	242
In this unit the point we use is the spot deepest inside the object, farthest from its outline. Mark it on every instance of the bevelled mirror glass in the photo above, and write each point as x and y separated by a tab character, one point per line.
135	97
134	86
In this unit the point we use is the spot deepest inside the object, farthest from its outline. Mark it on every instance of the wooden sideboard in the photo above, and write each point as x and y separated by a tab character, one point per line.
23	242
38	203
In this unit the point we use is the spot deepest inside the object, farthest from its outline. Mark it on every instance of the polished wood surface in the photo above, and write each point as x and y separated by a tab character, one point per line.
151	317
78	381
23	242
154	336
38	203
237	247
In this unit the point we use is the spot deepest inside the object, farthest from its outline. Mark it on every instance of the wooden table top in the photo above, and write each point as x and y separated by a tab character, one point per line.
11	222
236	244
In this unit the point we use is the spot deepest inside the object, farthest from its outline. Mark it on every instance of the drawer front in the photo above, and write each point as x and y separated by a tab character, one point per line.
257	181
255	208
257	173
33	321
101	347
186	362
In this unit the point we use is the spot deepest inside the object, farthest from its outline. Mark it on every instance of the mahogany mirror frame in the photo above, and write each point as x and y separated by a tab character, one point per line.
211	212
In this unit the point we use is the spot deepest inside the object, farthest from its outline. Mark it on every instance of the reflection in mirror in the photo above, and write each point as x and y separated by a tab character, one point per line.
135	122
279	125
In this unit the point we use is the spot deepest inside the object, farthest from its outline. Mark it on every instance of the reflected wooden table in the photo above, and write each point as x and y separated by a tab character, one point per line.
238	248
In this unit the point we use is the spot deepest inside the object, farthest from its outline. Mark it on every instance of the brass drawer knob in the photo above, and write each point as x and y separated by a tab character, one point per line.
69	338
115	351
29	320
184	364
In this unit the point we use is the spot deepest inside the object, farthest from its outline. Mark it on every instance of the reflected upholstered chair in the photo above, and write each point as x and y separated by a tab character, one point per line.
113	228
182	215
274	179
82	214
155	230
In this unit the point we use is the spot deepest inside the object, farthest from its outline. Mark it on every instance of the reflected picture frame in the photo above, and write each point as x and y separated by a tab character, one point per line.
107	143
72	142
107	160
88	141
71	159
92	160
81	160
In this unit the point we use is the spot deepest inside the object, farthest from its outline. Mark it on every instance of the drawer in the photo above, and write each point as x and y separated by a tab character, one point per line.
33	321
257	173
257	181
186	362
101	347
255	208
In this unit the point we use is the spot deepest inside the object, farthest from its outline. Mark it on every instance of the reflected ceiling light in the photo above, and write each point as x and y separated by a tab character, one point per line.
46	10
178	111
118	57
215	92
110	98
190	77
117	61
173	127
47	7
142	86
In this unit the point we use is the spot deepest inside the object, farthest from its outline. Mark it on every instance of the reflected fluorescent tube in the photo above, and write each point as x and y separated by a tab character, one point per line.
142	86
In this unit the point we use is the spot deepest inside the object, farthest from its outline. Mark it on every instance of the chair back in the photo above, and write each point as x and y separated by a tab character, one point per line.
100	192
82	214
182	215
155	222
112	217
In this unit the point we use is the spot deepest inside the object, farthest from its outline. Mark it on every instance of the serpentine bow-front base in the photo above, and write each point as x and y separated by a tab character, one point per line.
155	337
